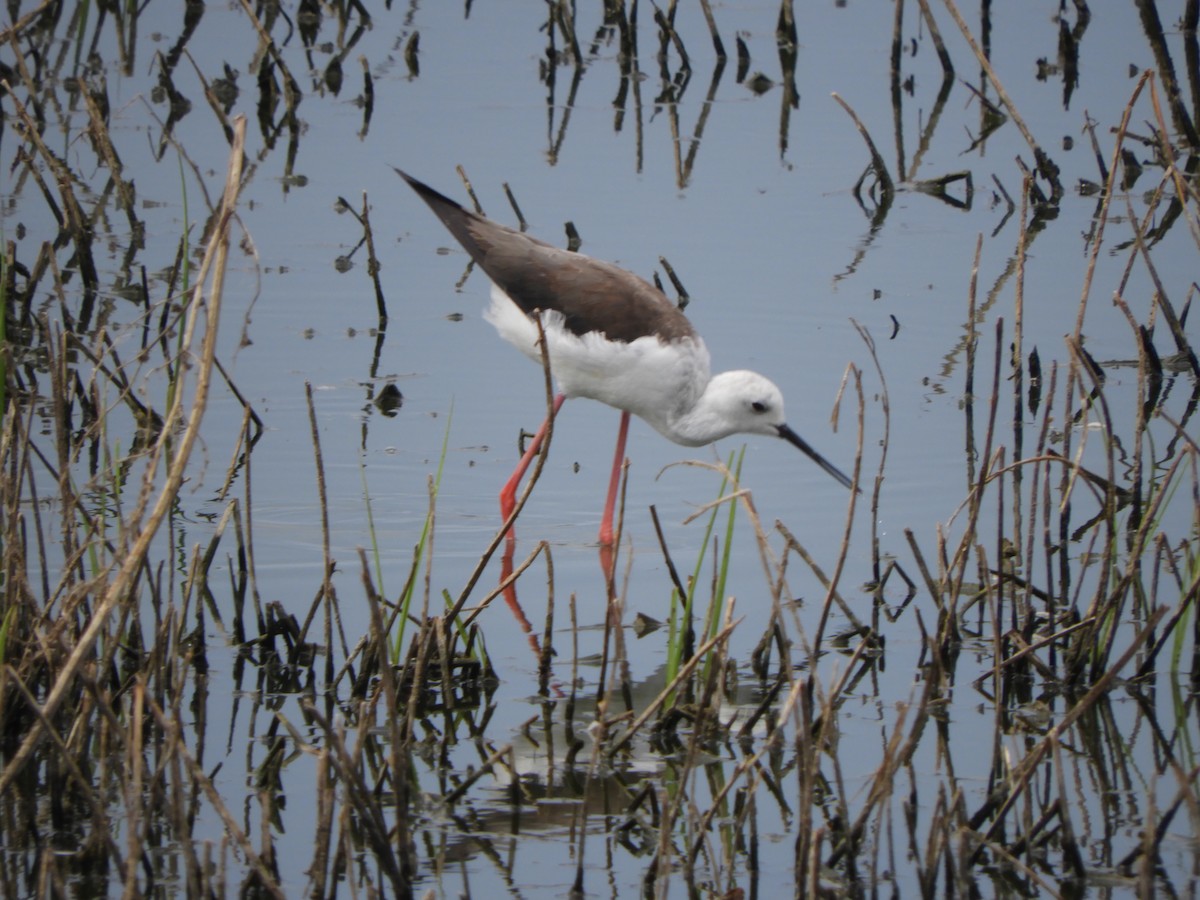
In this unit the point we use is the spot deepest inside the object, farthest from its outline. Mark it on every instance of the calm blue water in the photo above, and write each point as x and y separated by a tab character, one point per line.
776	254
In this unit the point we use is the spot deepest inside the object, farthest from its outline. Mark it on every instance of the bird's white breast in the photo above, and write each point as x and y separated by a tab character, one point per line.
656	381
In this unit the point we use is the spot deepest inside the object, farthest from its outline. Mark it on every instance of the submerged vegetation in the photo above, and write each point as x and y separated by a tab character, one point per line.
1061	596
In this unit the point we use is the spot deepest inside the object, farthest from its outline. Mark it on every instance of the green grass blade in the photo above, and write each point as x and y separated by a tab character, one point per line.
406	600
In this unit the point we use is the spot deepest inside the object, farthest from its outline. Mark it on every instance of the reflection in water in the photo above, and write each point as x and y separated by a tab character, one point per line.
176	721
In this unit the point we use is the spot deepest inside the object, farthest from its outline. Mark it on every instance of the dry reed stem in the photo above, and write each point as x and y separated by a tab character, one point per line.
516	207
530	482
1045	164
1183	186
214	262
847	528
173	731
939	45
14	30
561	11
291	88
1106	199
685	672
373	264
666	24
68	759
362	800
109	154
323	510
214	104
877	161
543	547
886	409
1161	300
785	712
718	44
485	768
830	586
1018	780
72	219
672	572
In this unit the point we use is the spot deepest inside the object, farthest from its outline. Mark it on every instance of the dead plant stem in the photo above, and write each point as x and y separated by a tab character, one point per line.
117	590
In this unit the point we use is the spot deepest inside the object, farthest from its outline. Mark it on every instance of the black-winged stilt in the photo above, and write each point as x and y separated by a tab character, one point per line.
614	337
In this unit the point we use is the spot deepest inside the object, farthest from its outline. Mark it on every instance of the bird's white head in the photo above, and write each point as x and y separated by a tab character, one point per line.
744	403
741	402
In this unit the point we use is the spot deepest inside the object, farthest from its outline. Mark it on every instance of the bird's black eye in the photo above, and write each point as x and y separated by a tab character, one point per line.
758	406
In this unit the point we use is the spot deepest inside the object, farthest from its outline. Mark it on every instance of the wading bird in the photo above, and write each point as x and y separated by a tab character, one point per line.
614	337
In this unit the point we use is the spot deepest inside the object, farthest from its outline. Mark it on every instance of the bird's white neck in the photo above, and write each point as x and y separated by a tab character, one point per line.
731	403
699	425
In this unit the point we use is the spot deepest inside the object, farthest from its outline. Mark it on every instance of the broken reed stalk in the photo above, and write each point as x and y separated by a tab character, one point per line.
718	44
1017	367
326	597
173	732
566	22
546	655
13	31
109	154
291	87
373	266
1006	794
370	824
847	528
669	34
1183	186
123	580
530	482
672	572
886	430
543	548
1045	165
462	174
669	691
877	160
939	45
516	207
1105	201
71	219
214	103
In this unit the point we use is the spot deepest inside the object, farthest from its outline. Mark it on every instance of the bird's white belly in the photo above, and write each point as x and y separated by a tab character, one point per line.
656	381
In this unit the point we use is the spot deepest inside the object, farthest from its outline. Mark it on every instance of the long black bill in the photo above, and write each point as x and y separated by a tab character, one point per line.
792	438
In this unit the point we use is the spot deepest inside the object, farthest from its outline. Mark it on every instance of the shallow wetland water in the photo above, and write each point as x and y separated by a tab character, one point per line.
260	633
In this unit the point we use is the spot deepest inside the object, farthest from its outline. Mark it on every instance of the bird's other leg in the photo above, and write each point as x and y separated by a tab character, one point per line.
606	523
508	495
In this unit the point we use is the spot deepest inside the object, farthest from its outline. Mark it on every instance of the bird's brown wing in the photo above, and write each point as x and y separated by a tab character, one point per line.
592	295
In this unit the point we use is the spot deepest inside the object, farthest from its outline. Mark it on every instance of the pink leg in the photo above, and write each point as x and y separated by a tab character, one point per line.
508	495
606	523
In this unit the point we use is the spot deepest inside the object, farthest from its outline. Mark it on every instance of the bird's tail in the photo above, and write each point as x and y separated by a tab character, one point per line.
453	216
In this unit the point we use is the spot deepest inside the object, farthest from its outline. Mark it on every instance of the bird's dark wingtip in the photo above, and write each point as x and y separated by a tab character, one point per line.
414	183
419	186
428	194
